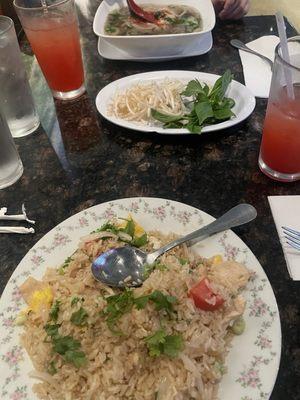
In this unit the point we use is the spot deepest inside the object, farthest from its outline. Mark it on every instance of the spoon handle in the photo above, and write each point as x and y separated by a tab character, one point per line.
240	45
238	215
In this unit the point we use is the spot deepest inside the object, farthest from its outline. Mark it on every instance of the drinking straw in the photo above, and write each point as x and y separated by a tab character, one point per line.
285	54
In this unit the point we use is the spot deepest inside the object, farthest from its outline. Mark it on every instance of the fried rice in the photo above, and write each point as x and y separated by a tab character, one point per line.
120	366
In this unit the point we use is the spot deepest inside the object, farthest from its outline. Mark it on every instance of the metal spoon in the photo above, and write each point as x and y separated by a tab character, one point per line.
125	266
240	45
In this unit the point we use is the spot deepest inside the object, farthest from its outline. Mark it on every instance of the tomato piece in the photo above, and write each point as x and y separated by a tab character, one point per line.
204	296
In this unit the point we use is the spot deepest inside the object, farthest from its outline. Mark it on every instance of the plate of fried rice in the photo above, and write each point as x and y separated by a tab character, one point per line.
204	325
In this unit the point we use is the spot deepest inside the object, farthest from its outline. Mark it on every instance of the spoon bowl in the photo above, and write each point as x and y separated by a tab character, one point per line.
126	266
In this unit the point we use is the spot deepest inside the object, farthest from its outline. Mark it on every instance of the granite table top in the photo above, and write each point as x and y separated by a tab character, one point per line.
76	160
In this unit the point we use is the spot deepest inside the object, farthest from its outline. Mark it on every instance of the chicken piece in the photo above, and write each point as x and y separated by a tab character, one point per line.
230	274
239	305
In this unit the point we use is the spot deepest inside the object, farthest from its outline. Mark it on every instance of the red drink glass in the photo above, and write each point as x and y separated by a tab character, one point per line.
279	156
52	30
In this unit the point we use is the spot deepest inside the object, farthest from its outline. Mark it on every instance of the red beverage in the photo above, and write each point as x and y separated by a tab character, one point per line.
280	148
52	30
57	49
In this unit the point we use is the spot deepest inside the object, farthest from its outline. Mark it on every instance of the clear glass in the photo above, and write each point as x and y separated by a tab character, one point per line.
11	167
279	156
53	33
15	94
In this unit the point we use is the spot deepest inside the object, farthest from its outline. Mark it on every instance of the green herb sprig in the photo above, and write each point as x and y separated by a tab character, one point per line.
208	106
122	303
160	343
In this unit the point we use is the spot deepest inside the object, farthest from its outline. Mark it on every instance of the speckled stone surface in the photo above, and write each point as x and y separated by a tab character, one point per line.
76	160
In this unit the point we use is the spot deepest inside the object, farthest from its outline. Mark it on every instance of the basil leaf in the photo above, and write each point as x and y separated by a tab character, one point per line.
221	85
203	111
225	113
165	118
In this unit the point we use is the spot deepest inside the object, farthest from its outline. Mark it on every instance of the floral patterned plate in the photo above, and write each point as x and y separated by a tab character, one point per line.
253	360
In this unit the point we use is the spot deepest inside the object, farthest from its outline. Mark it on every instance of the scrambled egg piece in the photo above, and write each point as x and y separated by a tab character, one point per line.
217	259
41	299
37	295
138	229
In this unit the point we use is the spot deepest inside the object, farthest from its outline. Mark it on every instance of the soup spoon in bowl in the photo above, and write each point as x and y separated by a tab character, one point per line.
127	266
141	13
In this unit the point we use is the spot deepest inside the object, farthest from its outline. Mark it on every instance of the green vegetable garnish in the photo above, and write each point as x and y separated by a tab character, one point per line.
206	108
74	301
52	330
238	327
183	261
140	241
79	317
51	368
107	227
122	303
162	301
53	314
160	343
68	347
61	270
117	306
129	229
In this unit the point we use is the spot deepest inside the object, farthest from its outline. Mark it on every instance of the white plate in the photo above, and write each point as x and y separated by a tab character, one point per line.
253	360
244	100
107	50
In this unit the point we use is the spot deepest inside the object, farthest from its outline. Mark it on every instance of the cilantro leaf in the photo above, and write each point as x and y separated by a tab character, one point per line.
117	306
141	302
78	358
53	314
79	317
162	301
161	343
173	345
51	368
62	268
52	330
68	347
74	301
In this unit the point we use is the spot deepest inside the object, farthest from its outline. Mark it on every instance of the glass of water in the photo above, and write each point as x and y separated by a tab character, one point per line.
11	167
15	95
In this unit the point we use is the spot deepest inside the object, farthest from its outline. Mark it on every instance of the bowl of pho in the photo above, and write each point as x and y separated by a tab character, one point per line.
177	25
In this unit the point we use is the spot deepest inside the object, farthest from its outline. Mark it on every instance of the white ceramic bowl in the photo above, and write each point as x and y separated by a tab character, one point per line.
155	45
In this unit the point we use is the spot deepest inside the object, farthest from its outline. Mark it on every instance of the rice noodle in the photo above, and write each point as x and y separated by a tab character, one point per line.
135	103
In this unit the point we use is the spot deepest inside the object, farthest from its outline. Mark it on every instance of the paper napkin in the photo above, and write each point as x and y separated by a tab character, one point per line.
257	72
286	212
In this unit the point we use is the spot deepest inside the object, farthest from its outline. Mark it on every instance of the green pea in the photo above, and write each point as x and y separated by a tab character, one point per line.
238	326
